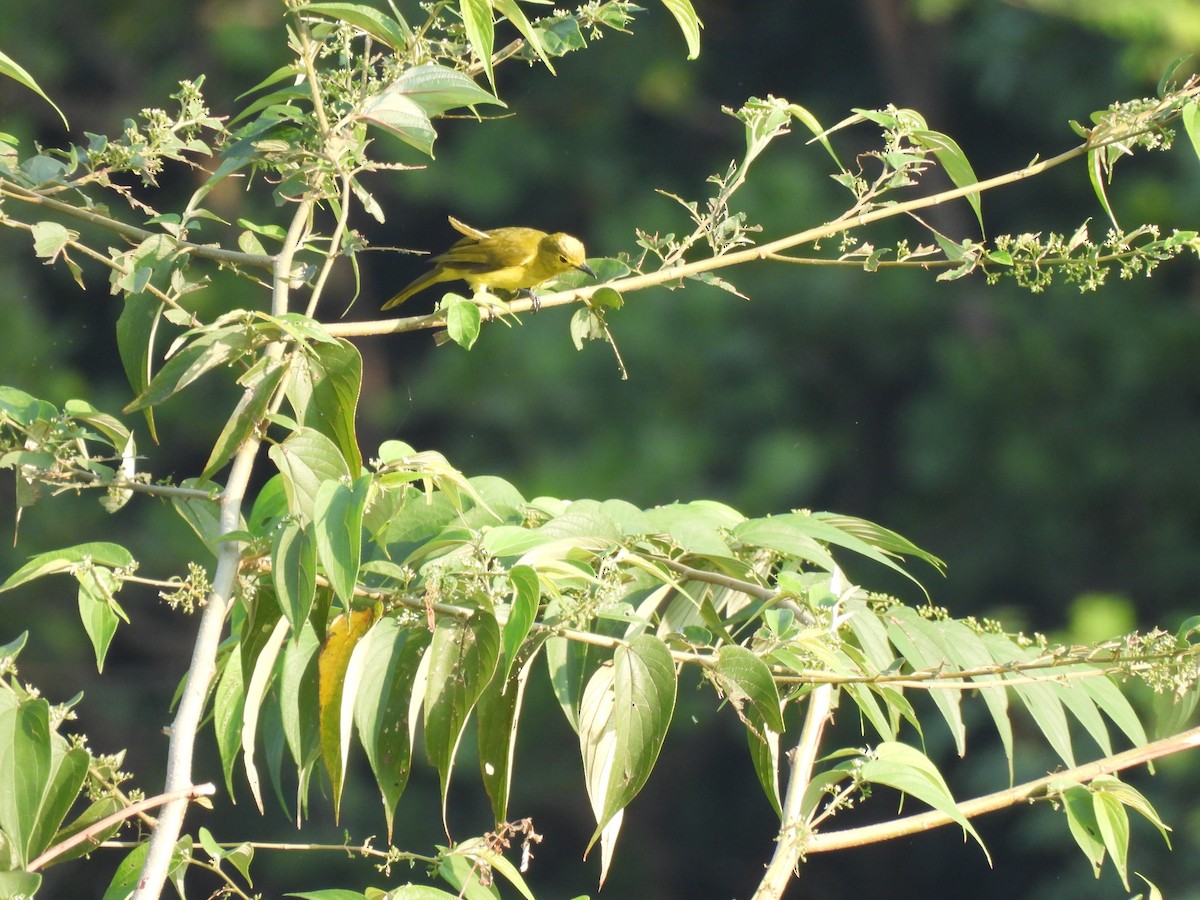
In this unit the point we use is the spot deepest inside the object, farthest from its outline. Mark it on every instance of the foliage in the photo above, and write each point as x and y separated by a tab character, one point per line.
367	598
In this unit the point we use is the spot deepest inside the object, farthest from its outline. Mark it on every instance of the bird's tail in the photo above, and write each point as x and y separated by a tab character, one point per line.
414	288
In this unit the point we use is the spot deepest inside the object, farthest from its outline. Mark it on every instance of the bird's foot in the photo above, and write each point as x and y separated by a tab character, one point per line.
534	299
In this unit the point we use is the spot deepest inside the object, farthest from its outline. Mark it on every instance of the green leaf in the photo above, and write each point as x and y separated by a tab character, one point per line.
260	384
462	320
1096	157
526	589
402	118
299	703
747	682
337	527
955	163
510	10
269	509
463	658
461	869
324	393
262	672
571	664
392	32
307	459
421	892
25	771
19	884
69	770
477	19
11	68
1104	691
227	714
1043	700
437	89
498	713
689	24
925	648
128	872
203	516
391	657
219	347
65	560
1132	798
969	652
98	610
101	809
49	238
1113	822
623	721
294	572
908	770
1191	124
764	755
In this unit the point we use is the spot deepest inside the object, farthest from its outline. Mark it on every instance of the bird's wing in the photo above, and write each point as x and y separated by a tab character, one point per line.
469	231
502	249
468	255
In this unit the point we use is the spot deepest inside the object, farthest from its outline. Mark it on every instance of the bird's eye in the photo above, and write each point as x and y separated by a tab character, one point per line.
562	258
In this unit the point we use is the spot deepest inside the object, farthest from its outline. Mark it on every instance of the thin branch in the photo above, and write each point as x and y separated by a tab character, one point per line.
96	482
870	834
182	795
335	241
769	250
207	251
363	850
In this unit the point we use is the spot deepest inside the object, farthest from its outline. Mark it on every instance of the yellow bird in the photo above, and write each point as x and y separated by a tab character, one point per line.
510	259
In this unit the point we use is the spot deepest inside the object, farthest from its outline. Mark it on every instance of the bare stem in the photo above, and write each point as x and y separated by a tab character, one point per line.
793	829
871	834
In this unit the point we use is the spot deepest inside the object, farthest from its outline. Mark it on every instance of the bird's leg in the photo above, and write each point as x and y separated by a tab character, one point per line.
533	297
489	304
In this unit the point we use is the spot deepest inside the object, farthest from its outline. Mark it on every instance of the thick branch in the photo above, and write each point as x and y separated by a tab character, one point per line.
208	636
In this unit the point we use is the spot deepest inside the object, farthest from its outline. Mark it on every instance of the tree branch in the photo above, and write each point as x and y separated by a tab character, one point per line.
208	635
870	834
207	251
793	829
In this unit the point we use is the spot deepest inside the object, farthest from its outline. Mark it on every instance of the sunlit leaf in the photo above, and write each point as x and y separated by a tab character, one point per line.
391	655
623	721
910	771
337	526
463	659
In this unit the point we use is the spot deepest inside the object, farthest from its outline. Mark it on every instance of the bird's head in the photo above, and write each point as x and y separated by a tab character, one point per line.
565	252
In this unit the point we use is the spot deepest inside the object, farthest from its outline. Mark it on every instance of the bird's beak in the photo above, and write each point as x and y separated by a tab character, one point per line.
584	267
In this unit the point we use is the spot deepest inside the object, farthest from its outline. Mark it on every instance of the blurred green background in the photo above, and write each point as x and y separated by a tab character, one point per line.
1046	446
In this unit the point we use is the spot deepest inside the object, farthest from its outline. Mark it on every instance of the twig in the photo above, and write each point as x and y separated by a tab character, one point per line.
207	251
181	795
